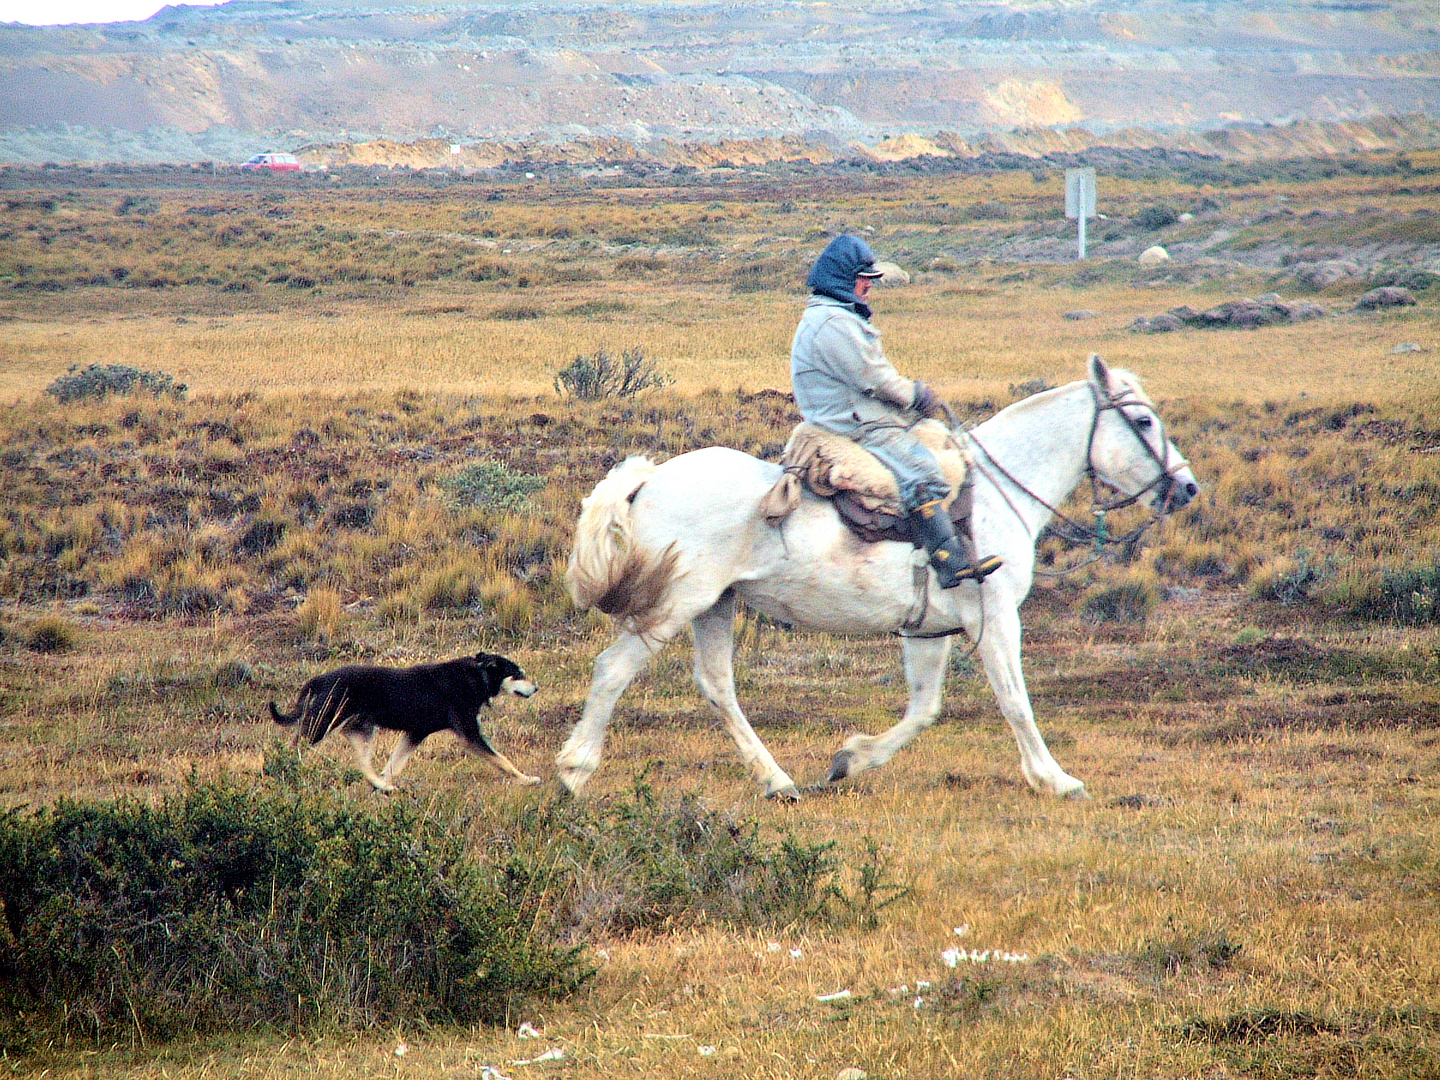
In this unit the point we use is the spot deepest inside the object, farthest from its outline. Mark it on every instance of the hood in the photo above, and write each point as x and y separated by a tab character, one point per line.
835	271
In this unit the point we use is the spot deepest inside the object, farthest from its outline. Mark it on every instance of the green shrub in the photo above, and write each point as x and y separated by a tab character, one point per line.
642	864
591	378
1156	216
100	380
51	635
1410	595
223	908
491	484
1130	601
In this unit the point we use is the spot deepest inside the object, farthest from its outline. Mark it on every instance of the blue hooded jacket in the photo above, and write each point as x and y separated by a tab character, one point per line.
834	272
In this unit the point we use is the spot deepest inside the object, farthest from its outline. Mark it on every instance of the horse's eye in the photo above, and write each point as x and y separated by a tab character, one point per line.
1142	421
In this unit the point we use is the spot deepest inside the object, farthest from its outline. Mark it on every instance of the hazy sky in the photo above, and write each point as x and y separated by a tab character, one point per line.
50	12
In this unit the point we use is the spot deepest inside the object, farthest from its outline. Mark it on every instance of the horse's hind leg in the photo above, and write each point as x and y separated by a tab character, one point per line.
925	660
715	676
614	668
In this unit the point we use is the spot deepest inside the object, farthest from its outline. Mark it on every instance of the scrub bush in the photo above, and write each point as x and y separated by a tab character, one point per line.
289	906
591	378
100	380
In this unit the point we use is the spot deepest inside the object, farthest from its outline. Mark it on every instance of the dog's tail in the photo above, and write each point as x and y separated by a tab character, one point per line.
608	570
284	719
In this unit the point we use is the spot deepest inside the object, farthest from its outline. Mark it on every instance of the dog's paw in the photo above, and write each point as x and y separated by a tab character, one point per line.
530	781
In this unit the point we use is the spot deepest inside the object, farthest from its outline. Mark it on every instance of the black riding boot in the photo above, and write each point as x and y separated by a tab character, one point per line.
932	527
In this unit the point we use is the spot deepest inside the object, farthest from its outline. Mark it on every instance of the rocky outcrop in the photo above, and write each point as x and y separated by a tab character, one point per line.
473	154
1246	314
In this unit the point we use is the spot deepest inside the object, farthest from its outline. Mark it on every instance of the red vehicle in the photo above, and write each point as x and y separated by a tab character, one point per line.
273	162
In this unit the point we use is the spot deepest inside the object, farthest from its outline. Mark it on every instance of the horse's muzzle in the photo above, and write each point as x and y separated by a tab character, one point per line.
1175	494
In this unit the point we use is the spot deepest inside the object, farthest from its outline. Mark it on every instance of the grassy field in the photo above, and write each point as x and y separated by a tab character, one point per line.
372	462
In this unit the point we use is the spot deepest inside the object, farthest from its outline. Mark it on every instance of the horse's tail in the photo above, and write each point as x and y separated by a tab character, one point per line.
608	571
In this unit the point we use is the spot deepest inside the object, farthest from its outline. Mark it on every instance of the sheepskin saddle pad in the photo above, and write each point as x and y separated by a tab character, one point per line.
863	490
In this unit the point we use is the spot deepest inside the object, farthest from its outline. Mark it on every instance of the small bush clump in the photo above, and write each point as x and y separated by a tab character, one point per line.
1288	580
223	908
51	635
1128	602
492	485
1410	595
641	864
101	380
591	378
1156	216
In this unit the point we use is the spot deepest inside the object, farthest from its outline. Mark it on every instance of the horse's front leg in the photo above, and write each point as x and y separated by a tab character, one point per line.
614	669
1000	654
715	676
925	660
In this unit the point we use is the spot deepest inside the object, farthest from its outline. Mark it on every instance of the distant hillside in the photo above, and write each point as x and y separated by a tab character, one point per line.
219	83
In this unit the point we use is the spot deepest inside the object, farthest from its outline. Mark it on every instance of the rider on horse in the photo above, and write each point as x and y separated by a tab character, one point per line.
844	384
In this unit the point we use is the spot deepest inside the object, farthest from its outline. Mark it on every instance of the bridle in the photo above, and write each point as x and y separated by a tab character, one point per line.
1075	532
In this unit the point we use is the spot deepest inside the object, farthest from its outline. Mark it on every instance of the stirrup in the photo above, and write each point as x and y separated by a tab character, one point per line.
951	576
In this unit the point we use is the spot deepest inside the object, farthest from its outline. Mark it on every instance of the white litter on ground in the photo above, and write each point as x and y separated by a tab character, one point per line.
953	956
839	995
707	1051
557	1054
527	1032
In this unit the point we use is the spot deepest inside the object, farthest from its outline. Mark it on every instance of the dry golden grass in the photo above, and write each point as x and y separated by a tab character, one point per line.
1265	774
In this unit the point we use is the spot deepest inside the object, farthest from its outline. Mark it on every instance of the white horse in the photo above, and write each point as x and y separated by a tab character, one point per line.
660	547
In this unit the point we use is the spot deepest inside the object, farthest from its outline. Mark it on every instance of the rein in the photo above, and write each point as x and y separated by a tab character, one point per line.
1076	532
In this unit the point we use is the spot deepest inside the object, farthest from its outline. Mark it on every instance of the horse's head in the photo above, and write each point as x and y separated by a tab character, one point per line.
1128	446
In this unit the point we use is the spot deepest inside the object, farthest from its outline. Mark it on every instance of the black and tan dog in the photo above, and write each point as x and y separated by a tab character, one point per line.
415	701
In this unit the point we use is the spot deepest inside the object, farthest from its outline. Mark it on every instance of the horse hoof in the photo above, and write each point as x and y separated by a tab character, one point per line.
788	794
1078	795
840	767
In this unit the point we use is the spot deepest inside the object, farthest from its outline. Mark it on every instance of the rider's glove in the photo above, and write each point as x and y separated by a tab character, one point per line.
926	402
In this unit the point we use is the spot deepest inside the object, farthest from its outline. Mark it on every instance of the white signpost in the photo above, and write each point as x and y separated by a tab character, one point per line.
1080	198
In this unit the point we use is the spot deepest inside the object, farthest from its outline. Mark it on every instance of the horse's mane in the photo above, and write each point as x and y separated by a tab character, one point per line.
1125	382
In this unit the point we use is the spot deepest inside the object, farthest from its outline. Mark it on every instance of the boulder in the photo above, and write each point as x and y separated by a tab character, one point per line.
893	274
1078	316
1385	296
1154	256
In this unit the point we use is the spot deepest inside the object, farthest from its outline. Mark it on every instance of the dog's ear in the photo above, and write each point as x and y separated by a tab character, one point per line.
492	670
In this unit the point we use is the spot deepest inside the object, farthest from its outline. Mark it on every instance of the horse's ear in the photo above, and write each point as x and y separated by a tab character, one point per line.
1099	372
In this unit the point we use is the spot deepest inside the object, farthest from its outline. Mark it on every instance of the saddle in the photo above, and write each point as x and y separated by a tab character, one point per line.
864	491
